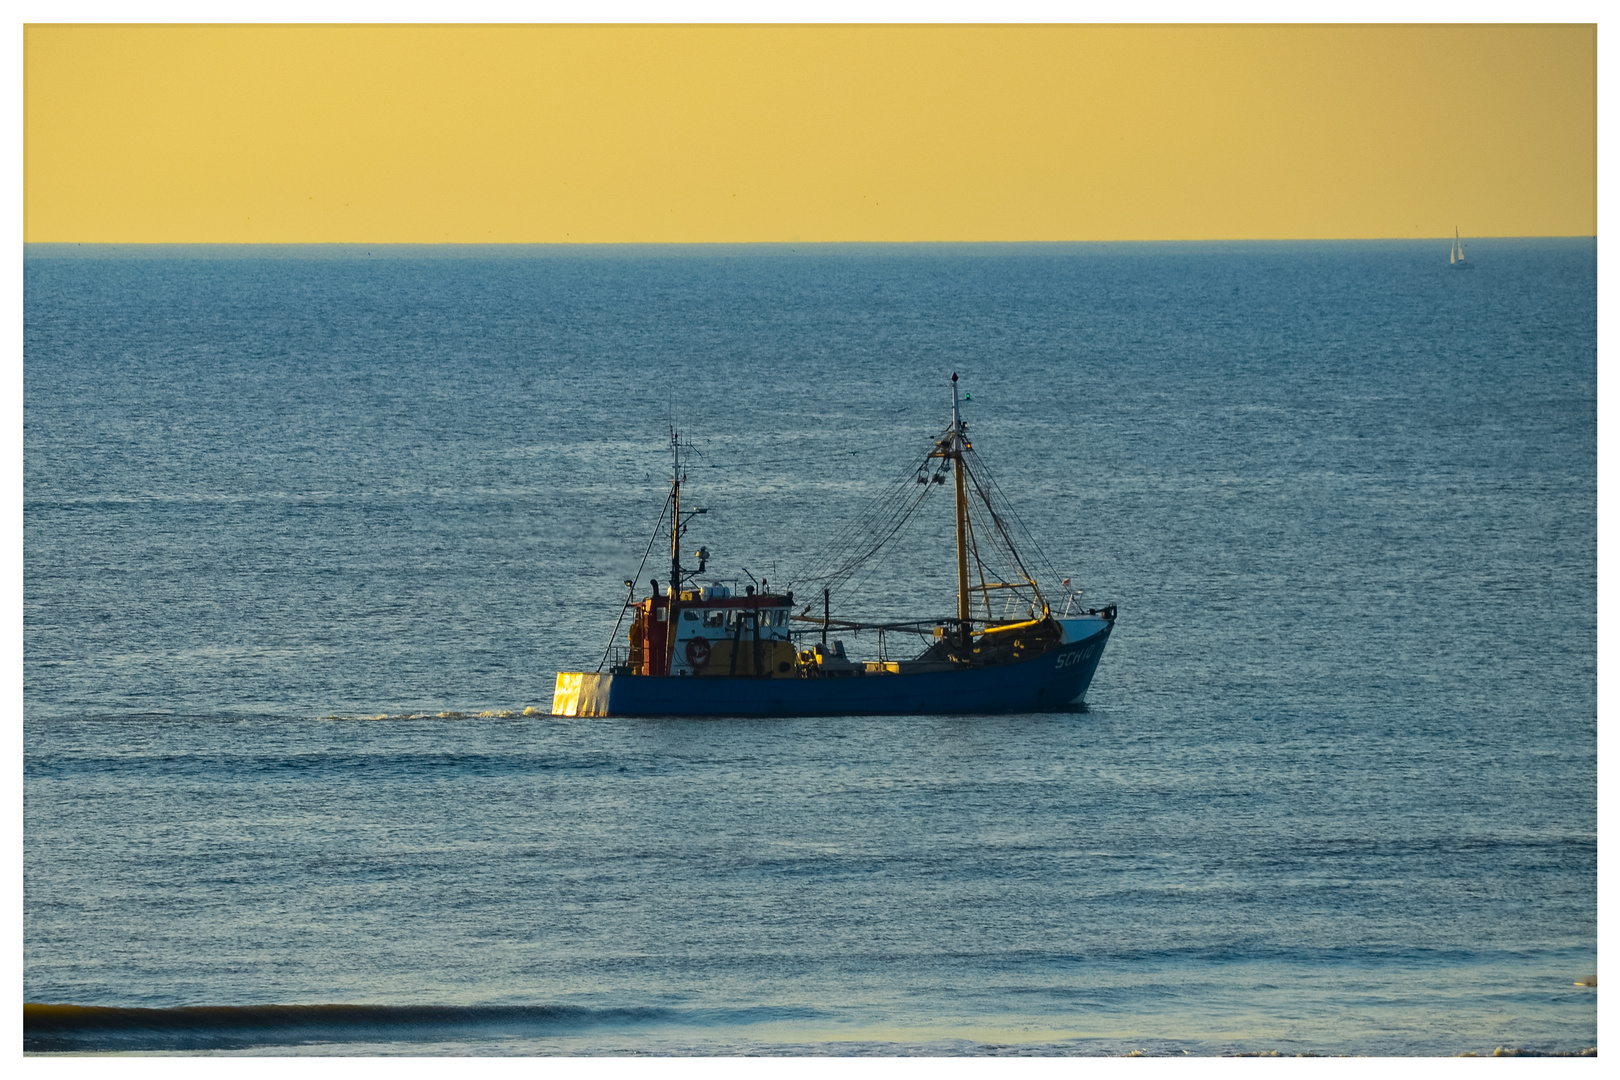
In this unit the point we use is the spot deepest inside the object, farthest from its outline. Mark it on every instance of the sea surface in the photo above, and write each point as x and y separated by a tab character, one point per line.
308	532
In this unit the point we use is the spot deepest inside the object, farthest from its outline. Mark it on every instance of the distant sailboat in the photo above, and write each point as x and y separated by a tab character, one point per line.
1459	261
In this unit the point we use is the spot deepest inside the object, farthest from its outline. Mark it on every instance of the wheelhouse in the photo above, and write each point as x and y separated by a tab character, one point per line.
715	633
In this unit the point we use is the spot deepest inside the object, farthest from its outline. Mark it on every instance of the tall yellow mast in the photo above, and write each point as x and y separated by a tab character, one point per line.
957	442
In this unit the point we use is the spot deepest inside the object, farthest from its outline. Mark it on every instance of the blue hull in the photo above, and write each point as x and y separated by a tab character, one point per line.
1049	681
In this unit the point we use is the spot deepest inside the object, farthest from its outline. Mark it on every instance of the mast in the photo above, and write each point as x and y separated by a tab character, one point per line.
962	599
675	522
674	555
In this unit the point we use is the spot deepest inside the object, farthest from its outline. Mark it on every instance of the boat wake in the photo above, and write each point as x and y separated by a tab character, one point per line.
486	714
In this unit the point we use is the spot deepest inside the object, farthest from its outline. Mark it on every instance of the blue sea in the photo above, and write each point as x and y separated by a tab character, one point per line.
308	532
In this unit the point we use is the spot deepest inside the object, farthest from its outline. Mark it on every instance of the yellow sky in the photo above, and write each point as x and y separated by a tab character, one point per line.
692	134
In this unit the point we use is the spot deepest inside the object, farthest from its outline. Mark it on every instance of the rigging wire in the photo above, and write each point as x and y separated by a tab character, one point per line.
878	531
1028	533
999	537
876	518
856	584
881	522
849	559
644	556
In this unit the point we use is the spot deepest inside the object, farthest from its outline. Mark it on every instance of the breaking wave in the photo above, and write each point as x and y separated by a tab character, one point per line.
57	1028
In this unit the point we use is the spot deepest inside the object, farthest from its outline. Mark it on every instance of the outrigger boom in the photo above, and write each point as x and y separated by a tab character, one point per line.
702	650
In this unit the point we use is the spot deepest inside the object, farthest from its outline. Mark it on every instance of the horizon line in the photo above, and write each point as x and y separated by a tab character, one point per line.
788	243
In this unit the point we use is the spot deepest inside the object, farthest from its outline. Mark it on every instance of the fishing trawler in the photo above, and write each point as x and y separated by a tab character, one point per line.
707	650
1459	261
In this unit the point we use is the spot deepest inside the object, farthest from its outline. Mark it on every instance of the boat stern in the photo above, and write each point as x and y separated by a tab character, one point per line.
581	693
